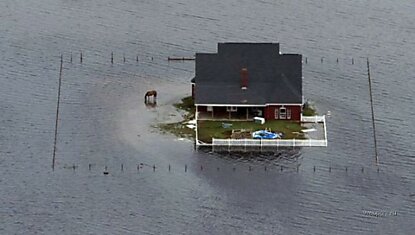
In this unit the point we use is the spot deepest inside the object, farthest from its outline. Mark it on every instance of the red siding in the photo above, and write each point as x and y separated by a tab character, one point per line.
269	112
295	112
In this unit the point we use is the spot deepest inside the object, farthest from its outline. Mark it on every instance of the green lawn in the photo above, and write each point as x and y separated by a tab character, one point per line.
309	110
213	129
179	128
187	105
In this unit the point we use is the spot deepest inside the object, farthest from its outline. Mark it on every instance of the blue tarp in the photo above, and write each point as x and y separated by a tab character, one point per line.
263	134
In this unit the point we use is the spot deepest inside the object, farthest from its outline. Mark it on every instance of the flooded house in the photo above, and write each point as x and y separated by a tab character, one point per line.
247	80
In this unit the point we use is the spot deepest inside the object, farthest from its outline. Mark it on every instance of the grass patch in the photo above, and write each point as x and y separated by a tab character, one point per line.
179	128
309	110
187	104
213	129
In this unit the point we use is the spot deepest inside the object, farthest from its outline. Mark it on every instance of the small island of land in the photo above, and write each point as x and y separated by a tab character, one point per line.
248	94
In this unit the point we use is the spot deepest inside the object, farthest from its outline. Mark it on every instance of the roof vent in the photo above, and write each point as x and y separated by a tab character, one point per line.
244	78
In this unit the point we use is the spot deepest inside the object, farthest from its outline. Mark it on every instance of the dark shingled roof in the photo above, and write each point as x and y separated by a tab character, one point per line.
272	77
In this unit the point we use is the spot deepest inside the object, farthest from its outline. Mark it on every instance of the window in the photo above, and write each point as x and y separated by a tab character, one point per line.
288	113
209	108
231	109
257	112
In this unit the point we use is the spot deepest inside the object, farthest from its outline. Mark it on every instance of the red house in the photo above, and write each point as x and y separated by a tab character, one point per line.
246	80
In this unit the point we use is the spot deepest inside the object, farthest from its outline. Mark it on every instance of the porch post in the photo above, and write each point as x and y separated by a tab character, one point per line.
213	108
229	114
246	113
196	116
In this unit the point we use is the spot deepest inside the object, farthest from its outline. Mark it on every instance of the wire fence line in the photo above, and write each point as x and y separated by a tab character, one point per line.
141	168
113	57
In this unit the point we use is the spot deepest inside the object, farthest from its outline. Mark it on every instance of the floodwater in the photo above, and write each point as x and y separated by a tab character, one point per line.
103	121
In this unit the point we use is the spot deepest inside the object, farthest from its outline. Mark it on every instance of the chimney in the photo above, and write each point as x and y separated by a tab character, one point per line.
244	78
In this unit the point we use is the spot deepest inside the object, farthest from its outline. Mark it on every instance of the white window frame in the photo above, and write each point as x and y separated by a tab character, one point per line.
282	115
209	108
288	113
231	108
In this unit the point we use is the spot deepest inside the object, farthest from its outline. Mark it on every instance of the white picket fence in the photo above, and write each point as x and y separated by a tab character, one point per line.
313	119
270	143
275	142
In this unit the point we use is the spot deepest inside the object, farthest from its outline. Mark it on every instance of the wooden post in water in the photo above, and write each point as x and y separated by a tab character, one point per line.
57	114
80	58
373	112
112	57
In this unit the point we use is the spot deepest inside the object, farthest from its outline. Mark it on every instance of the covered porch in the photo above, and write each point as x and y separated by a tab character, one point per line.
234	113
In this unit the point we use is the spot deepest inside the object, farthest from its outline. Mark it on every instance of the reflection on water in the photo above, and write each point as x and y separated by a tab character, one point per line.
266	155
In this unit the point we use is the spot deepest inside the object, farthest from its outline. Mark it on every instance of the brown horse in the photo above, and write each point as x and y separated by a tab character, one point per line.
149	94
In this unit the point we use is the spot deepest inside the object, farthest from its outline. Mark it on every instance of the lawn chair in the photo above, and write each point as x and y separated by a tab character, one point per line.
226	125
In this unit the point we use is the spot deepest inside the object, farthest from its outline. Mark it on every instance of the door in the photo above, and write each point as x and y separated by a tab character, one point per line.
283	113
